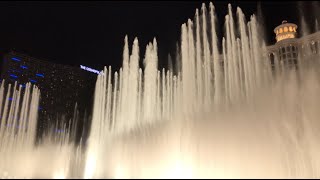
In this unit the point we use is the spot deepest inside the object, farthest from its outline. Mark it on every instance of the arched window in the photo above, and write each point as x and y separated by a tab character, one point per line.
271	57
312	47
295	62
284	56
290	28
288	48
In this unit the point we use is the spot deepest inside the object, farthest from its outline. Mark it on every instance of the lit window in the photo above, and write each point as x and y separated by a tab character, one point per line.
24	67
286	36
294	29
290	28
33	81
280	30
14	76
40	75
15	59
285	29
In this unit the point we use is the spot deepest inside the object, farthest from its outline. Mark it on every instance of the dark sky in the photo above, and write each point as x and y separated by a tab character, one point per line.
91	33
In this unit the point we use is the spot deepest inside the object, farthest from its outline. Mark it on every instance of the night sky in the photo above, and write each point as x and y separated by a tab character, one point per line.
92	33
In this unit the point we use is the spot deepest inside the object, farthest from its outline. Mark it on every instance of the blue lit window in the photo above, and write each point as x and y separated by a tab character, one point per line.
10	99
23	85
40	75
15	59
59	130
24	67
14	76
34	81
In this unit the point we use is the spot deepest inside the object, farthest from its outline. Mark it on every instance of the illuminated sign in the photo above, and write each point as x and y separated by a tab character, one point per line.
89	69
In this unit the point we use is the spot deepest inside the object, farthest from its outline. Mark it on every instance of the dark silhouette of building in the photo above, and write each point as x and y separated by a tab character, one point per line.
62	88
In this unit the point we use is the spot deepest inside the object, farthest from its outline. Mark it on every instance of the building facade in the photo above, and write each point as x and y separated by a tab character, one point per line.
289	50
62	88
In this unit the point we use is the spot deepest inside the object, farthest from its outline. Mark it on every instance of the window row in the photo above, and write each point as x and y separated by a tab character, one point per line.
288	55
286	29
287	49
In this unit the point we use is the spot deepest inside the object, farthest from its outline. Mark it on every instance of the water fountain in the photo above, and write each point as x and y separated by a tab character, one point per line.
54	157
221	116
18	123
224	114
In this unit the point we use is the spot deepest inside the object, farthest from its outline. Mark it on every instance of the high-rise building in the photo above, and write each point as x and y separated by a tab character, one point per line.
61	87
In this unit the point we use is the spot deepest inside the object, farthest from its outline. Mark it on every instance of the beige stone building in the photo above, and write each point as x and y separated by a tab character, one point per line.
289	50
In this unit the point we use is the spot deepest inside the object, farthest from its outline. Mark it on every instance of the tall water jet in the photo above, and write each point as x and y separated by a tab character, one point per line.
216	58
18	112
150	81
18	147
209	119
304	29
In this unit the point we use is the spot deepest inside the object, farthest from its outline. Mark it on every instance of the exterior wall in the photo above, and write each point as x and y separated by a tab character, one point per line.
288	52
